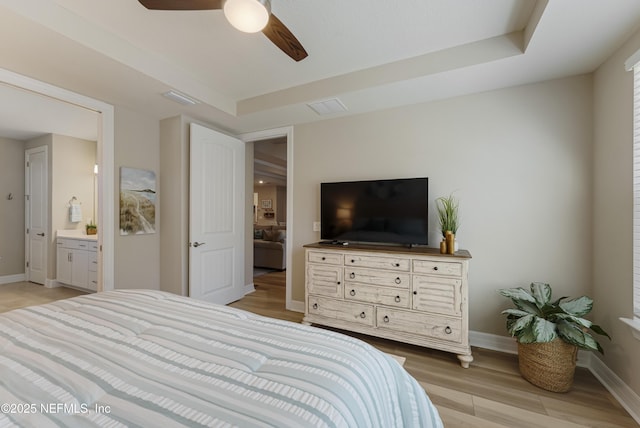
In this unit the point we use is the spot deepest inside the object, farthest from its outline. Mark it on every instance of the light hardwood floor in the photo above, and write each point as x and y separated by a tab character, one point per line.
491	393
20	294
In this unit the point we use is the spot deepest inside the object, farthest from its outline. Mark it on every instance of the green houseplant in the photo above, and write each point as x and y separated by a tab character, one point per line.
447	207
549	334
91	228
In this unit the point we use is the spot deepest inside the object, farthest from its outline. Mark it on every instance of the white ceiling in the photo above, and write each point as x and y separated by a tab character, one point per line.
371	54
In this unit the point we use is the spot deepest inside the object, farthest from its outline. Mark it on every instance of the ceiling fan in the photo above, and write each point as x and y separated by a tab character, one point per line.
249	16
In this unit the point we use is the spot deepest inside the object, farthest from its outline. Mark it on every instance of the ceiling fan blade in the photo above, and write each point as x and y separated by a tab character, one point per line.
182	4
280	35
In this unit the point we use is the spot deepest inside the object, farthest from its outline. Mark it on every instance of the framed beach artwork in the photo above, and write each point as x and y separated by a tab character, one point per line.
137	201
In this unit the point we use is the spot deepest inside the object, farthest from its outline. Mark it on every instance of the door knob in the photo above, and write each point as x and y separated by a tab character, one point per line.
197	244
40	234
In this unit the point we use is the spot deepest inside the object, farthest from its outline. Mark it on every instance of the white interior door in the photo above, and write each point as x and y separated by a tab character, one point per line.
216	217
36	219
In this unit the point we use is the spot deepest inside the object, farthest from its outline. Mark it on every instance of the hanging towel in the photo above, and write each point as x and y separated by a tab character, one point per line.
75	213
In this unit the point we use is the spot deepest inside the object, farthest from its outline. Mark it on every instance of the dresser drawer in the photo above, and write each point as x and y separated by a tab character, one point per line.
379	295
324	258
341	310
444	328
437	294
377	277
325	280
377	262
437	268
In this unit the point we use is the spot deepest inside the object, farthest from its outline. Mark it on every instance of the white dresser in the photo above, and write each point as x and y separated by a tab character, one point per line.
77	260
412	295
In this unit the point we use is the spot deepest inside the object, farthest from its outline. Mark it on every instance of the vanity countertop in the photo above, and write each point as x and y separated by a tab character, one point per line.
75	234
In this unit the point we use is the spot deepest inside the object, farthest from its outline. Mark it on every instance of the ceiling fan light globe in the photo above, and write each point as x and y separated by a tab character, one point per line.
249	16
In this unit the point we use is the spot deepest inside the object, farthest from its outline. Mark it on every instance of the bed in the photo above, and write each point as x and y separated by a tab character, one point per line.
152	359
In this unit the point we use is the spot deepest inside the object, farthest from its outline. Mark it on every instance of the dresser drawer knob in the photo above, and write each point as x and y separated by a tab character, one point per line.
352	275
386	318
447	330
398	280
324	258
353	261
352	292
397	299
338	282
435	268
363	315
397	264
415	293
315	306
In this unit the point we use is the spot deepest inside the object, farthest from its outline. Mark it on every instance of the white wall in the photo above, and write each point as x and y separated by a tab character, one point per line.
518	159
613	219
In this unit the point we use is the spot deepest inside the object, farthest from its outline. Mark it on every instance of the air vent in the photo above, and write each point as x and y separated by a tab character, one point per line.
326	107
180	98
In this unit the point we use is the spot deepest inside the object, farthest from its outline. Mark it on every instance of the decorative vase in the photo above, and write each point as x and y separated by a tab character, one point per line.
549	365
451	242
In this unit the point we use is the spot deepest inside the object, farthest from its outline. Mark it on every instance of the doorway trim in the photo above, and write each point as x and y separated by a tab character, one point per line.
105	146
288	133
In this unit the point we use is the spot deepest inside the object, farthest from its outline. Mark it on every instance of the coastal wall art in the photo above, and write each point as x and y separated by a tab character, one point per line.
137	201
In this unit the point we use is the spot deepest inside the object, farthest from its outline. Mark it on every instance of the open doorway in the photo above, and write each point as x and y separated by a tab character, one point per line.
103	129
273	152
269	206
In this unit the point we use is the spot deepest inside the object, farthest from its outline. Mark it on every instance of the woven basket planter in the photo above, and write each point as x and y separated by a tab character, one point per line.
550	366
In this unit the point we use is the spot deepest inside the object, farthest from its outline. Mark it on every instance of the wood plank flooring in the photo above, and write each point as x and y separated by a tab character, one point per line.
489	394
20	294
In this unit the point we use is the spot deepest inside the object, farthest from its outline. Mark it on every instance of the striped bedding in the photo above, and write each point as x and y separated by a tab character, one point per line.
143	358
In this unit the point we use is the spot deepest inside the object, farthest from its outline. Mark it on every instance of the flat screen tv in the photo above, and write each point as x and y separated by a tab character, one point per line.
375	211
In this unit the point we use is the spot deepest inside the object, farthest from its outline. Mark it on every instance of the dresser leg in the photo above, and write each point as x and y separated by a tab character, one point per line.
465	360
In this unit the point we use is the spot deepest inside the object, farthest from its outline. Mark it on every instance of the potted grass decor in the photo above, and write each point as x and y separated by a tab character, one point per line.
447	207
549	334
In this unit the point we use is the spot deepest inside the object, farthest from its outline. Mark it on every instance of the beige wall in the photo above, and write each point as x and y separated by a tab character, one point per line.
137	257
72	161
266	193
72	175
518	159
174	230
11	211
613	220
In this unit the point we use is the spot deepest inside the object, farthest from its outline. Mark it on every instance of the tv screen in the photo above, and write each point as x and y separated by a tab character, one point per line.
380	211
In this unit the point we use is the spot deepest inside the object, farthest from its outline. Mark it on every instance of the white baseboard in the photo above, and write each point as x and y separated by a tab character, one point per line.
620	390
493	342
249	288
52	283
616	386
295	306
8	279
